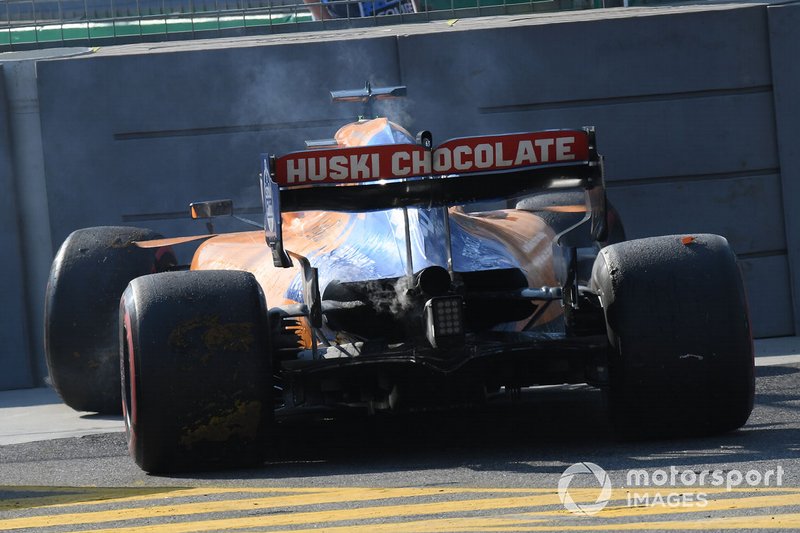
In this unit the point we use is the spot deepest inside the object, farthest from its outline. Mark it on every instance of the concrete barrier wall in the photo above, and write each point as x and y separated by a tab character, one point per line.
15	356
683	105
784	48
684	100
151	133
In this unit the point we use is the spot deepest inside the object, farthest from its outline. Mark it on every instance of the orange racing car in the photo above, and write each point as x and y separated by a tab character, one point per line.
390	275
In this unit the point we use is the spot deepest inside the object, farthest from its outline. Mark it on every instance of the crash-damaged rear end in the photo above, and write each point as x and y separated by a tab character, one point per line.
443	292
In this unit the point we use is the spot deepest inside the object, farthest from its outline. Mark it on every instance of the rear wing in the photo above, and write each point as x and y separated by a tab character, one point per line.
458	171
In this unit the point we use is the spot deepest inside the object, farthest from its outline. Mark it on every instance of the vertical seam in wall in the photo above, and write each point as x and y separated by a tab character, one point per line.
27	337
397	60
787	227
33	207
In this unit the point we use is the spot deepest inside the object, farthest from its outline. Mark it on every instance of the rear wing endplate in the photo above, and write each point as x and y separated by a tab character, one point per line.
458	171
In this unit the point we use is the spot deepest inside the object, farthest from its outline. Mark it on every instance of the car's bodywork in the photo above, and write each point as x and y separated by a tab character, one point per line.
353	259
391	274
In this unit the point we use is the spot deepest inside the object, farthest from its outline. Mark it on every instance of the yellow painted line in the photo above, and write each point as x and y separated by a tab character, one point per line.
26	497
779	498
719	500
338	515
734	501
437	525
179	492
714	505
248	504
789	521
103	496
517	523
482	524
527	522
89	496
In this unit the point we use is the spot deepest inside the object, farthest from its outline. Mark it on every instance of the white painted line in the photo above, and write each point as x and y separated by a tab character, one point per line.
773	360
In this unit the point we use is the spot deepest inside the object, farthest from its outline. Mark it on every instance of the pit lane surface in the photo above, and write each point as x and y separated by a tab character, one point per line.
497	469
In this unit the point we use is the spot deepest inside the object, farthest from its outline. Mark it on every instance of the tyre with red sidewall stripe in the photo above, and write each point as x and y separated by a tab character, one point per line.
196	370
89	273
680	349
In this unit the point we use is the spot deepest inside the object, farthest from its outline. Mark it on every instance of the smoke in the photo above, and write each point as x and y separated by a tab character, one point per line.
397	111
390	297
402	289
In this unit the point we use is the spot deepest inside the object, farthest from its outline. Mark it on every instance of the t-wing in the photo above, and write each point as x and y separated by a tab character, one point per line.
459	171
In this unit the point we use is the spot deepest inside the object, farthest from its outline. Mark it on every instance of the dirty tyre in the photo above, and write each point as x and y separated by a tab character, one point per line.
681	354
196	370
87	278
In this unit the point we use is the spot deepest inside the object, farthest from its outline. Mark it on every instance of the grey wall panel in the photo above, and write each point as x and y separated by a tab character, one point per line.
562	73
15	368
744	210
33	209
684	98
661	138
132	135
768	295
683	105
580	60
176	126
678	94
784	20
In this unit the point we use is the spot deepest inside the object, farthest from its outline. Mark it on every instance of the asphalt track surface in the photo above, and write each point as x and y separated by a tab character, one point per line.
494	469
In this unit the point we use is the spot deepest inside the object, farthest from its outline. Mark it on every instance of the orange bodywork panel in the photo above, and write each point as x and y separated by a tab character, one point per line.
367	246
171	241
308	233
363	132
315	234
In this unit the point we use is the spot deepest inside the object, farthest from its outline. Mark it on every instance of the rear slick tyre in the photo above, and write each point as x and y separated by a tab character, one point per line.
196	370
89	273
680	351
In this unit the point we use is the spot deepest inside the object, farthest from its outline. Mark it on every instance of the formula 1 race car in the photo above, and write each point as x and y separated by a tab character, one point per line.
394	276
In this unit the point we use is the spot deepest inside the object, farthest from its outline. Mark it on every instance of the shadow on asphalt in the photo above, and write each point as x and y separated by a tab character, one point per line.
96	416
539	433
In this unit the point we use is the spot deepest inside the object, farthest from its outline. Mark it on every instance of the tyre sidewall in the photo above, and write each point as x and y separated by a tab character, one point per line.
202	370
681	356
88	275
